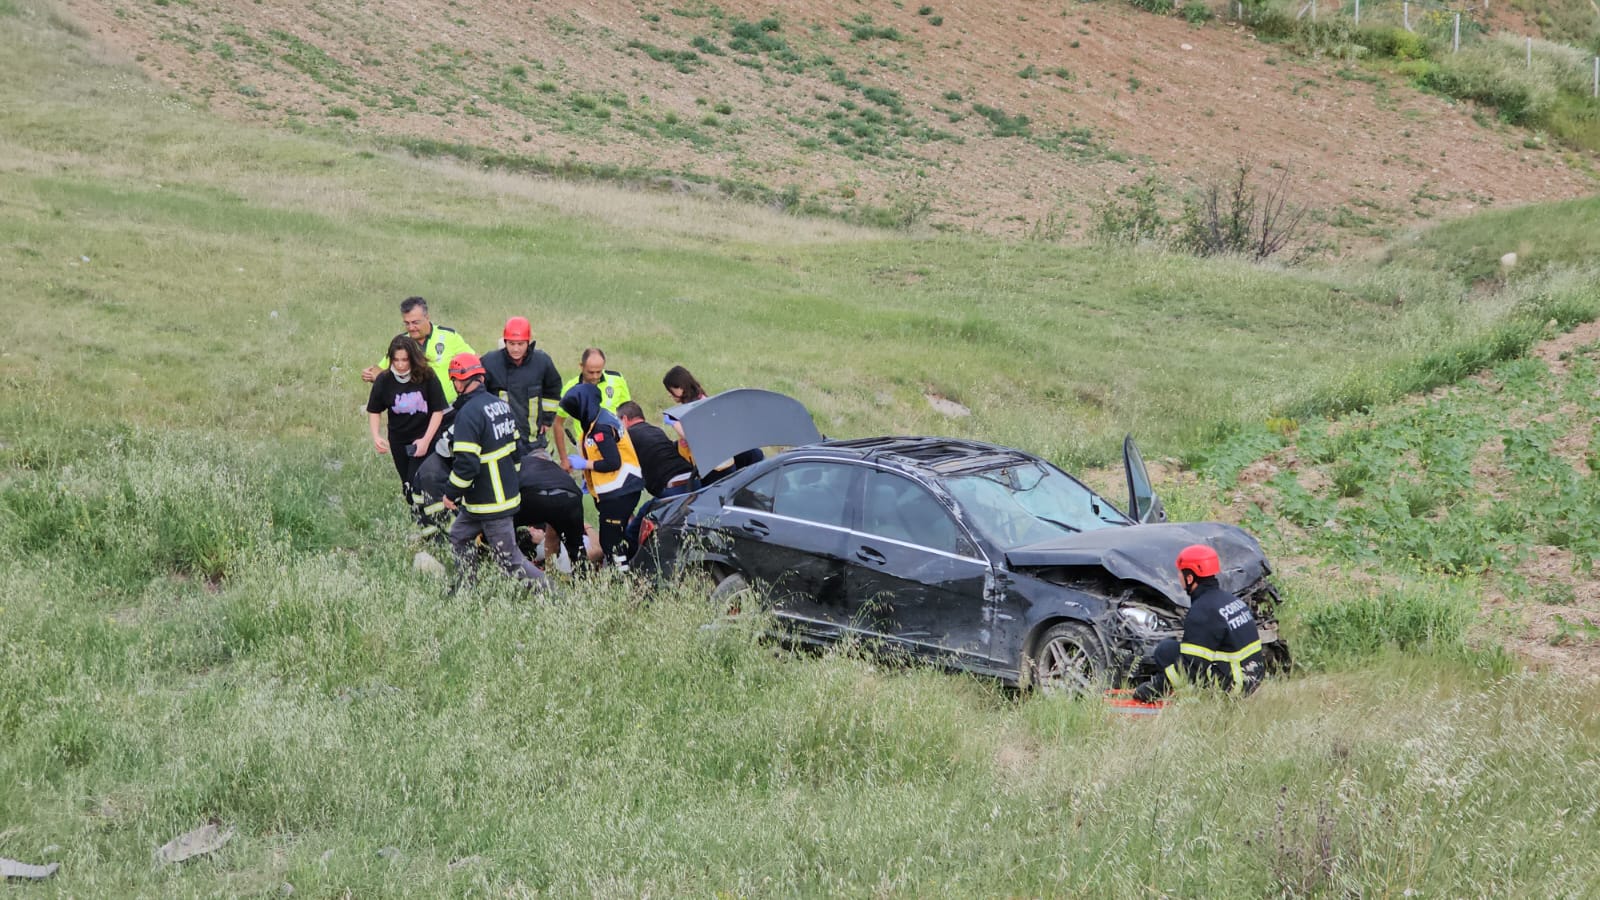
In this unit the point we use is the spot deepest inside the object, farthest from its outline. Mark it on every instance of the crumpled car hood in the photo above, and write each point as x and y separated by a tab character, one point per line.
1146	553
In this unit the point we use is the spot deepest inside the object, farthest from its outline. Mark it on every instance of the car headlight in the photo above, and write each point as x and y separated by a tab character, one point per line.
1140	618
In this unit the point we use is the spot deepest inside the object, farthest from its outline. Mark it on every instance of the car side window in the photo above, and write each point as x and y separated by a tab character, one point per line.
815	492
757	495
898	508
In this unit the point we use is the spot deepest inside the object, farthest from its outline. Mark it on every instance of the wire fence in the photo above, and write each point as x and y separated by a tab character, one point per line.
1449	25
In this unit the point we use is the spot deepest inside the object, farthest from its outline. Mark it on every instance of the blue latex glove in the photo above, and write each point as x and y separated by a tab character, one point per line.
668	421
577	462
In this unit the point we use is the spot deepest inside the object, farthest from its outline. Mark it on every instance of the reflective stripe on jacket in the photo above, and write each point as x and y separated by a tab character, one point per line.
627	478
484	462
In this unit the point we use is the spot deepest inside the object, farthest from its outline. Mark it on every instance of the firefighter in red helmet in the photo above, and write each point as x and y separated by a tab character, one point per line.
526	379
1220	644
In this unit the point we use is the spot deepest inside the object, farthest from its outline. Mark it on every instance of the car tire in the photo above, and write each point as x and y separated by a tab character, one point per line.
732	594
1070	659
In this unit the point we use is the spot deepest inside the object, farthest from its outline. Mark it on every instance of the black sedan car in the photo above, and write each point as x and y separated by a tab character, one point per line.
970	555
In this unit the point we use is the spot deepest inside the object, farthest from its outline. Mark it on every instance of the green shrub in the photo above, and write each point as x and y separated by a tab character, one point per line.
1393	43
1133	219
1161	7
1196	12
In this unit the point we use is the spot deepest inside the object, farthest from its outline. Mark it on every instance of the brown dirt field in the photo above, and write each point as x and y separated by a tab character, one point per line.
1113	95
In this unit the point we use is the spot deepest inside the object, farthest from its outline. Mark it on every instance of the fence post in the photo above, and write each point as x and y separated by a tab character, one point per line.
1405	8
1358	12
1313	10
1455	46
1597	76
1530	53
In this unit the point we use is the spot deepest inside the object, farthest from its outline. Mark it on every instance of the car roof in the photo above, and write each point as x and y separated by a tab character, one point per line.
935	455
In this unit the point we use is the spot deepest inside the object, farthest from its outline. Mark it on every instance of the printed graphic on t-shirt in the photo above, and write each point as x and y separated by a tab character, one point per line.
410	403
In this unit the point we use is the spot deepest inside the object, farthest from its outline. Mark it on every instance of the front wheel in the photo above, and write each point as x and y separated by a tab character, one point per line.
1069	658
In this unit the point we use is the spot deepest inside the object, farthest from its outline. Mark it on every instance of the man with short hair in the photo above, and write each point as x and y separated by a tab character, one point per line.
613	393
666	473
439	344
484	478
526	378
1221	646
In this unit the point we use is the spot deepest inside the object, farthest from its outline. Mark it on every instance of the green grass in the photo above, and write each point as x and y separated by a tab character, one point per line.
210	610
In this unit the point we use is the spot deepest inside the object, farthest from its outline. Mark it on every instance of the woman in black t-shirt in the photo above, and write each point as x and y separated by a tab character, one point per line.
410	392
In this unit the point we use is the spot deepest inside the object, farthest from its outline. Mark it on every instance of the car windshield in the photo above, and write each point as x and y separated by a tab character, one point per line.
1016	506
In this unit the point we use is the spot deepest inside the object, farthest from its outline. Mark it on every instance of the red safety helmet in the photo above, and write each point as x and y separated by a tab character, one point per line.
465	365
517	329
1199	559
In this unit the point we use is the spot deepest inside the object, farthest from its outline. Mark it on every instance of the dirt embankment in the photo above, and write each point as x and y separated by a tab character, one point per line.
1003	116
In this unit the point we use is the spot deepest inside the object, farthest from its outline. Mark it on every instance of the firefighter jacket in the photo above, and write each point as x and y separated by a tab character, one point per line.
532	389
440	346
484	462
1220	640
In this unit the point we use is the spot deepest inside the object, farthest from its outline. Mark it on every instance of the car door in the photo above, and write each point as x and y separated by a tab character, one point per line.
1143	504
789	529
916	577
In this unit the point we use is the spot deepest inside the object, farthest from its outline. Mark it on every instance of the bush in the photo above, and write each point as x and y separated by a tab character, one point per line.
1232	218
1161	7
1134	219
1393	43
1196	12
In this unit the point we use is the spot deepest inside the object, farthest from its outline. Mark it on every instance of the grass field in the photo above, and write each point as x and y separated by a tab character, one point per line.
210	611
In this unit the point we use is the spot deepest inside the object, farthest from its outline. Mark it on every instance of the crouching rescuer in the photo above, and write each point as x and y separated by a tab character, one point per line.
484	476
1220	646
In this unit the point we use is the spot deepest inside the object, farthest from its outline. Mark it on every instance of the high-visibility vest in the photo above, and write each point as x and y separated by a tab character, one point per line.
441	346
602	483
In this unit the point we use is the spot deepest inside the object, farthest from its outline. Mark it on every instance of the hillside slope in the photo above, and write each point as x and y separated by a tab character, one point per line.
1001	116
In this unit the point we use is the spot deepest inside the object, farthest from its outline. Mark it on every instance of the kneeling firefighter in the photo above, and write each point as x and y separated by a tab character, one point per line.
1220	646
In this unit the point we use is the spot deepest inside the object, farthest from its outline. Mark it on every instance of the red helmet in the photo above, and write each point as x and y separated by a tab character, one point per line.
465	365
517	329
1199	559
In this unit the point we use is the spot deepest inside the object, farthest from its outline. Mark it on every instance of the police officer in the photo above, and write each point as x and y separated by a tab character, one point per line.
613	392
483	477
524	377
1220	643
439	344
608	462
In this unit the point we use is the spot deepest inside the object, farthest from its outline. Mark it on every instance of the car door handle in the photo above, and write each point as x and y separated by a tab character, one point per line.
759	529
869	555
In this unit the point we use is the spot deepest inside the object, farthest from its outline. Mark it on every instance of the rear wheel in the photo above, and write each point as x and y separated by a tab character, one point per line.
1069	659
731	594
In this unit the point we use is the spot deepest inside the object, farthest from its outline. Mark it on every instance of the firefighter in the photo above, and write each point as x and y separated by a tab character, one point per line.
1220	644
526	378
483	477
609	464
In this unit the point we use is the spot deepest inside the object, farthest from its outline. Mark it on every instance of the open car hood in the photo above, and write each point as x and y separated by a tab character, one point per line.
1146	553
726	424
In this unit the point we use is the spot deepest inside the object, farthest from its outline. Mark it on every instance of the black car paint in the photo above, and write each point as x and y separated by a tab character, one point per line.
854	583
